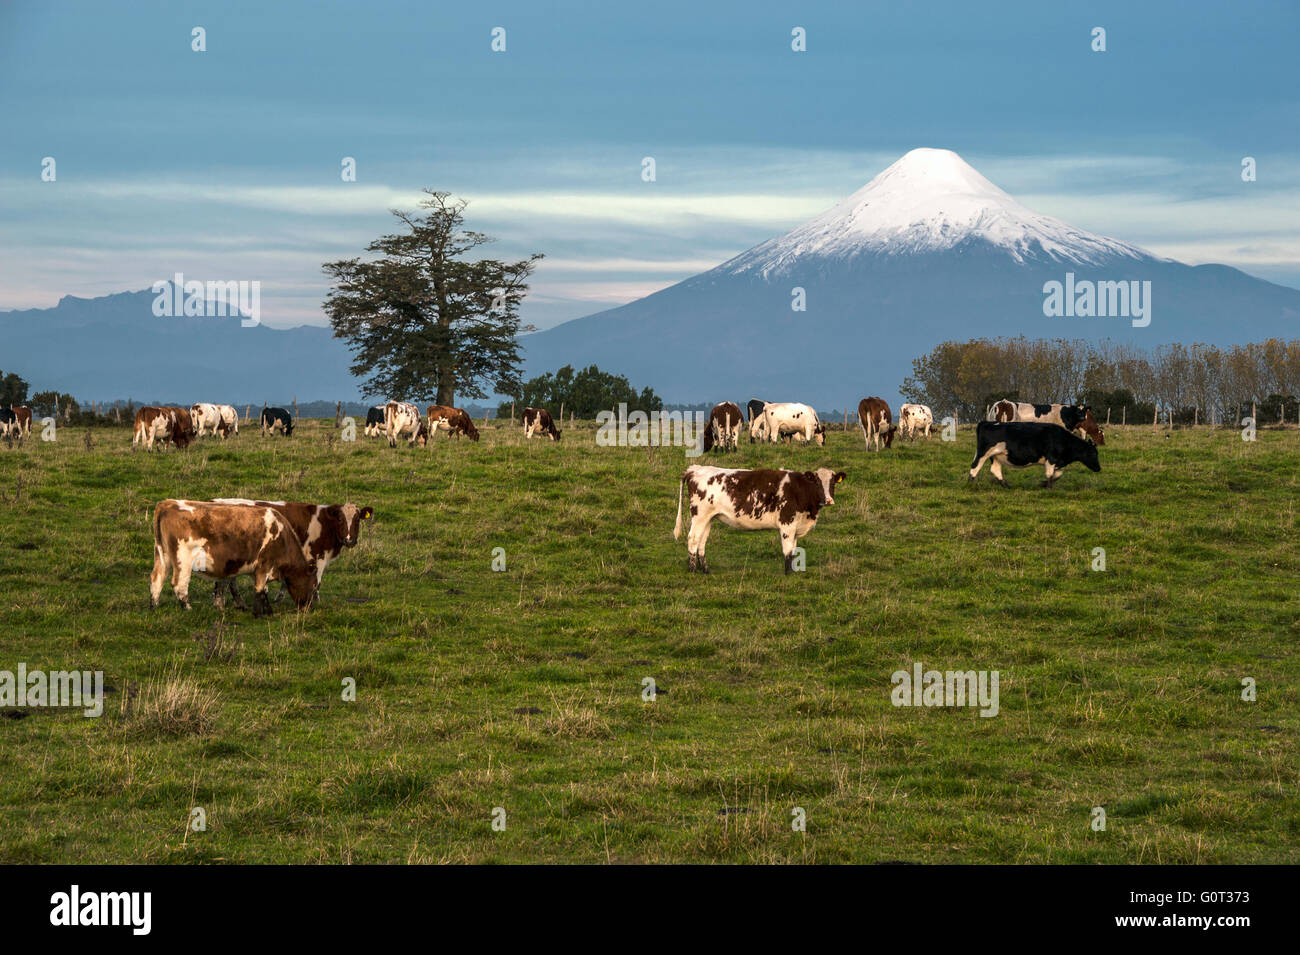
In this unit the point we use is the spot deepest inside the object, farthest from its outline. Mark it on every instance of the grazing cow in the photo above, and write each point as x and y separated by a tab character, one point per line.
875	418
455	421
222	541
724	427
219	419
277	419
23	416
789	418
1001	411
1076	418
1023	443
539	419
787	501
9	424
375	421
323	530
914	419
162	424
401	417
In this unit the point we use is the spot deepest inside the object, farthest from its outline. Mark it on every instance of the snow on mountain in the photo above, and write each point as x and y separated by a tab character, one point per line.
931	200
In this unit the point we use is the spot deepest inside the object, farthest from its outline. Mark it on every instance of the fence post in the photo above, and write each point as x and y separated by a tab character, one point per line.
248	413
512	414
338	414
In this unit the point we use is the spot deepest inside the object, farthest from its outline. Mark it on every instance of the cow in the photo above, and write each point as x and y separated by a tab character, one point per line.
1025	443
162	423
323	530
539	419
219	419
455	421
724	427
789	418
223	541
9	426
277	419
1076	418
401	417
755	408
787	501
23	417
375	421
875	418
1001	411
914	419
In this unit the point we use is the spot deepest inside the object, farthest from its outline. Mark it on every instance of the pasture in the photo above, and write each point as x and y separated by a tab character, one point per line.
522	689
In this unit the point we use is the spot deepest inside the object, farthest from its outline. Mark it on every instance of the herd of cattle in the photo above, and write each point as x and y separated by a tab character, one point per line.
294	541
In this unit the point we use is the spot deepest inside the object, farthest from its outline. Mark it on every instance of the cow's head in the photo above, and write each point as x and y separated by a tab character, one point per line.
827	480
470	429
1088	425
349	517
301	581
1088	455
819	435
888	434
555	433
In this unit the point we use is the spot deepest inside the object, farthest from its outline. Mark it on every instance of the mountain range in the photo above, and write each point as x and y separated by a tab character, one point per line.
833	310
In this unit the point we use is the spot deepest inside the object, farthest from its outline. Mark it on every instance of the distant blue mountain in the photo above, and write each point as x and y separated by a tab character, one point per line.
115	347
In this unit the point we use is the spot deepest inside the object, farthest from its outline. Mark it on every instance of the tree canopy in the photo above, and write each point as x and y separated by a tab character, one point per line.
423	321
584	393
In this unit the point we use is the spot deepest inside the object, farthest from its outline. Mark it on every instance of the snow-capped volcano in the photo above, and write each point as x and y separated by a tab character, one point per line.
927	251
932	200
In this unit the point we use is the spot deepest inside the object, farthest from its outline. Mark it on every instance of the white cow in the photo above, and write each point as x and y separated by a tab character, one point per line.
401	417
913	419
219	419
789	418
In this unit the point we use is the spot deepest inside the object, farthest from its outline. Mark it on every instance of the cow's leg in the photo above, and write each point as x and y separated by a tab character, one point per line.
157	575
697	538
788	543
1051	475
181	578
996	468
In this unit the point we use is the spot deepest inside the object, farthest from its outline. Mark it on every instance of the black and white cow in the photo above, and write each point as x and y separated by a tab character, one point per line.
1076	418
375	421
9	423
785	501
277	419
1022	444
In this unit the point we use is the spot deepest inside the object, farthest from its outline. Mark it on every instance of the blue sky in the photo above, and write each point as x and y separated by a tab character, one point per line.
225	164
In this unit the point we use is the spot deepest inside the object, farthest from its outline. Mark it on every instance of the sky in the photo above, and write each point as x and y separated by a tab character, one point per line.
225	164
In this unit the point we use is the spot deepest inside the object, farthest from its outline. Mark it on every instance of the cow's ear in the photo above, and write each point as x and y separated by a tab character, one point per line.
839	478
367	513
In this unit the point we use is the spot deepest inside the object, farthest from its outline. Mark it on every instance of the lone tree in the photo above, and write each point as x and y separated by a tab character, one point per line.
421	320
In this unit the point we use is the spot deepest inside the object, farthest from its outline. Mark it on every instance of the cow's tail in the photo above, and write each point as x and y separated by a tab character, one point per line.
677	528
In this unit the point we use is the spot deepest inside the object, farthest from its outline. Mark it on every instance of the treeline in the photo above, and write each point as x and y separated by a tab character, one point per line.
1190	383
584	393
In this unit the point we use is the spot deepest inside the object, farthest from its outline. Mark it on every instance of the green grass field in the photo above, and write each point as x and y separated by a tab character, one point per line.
522	689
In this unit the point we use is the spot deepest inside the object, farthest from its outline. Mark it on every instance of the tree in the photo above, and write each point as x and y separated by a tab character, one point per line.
13	390
584	393
422	321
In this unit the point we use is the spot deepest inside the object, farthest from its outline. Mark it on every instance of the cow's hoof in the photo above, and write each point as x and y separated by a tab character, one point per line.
1003	483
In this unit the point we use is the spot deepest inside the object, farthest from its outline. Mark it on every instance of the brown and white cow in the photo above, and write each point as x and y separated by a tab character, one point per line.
537	420
324	530
723	430
23	419
401	417
786	501
1001	411
162	423
875	418
915	419
223	541
455	421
